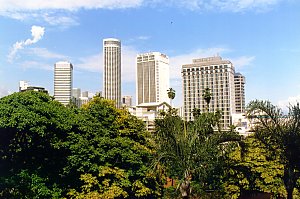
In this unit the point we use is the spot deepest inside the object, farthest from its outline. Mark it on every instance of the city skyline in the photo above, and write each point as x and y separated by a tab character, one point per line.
259	37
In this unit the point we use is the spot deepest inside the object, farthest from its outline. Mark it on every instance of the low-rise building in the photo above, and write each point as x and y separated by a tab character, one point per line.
148	112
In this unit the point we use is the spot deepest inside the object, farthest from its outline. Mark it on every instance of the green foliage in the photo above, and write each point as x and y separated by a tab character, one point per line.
33	129
114	149
281	133
192	150
171	93
207	97
251	167
48	150
26	185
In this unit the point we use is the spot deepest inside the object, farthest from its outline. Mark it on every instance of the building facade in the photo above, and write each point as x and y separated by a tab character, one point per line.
23	85
152	81
127	101
63	82
149	112
239	83
217	75
112	70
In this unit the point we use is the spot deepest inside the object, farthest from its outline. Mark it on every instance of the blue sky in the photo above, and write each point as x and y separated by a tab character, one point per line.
260	37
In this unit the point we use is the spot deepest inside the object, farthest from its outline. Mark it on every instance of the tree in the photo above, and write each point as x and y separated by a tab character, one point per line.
171	94
207	97
281	133
196	112
33	128
110	154
192	151
251	168
48	150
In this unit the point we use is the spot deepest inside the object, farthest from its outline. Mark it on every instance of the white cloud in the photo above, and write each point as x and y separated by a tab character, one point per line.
91	63
37	33
4	91
224	5
31	5
143	37
62	20
62	12
283	104
243	61
58	12
45	53
242	5
37	65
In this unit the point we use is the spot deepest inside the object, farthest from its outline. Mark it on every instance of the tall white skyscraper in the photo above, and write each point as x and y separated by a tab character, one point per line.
217	75
63	82
152	80
112	70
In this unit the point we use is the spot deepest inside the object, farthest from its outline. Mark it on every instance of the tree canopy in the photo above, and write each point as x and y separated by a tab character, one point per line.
192	152
52	151
281	133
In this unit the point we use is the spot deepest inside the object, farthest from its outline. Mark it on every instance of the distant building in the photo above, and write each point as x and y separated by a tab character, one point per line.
239	83
24	86
76	92
112	70
80	98
84	100
243	125
152	80
85	94
63	82
217	75
148	112
127	101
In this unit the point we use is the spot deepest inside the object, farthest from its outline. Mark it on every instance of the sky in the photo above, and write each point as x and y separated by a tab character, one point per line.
260	37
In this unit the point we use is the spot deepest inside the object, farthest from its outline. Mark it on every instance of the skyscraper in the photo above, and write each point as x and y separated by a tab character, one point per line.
217	75
63	82
239	83
152	78
112	70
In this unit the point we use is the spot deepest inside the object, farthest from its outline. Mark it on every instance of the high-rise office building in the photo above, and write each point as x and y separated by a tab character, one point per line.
239	83
112	70
217	75
63	82
152	80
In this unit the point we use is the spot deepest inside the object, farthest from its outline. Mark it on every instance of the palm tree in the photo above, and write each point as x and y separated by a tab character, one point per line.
189	151
196	112
207	97
281	133
171	94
